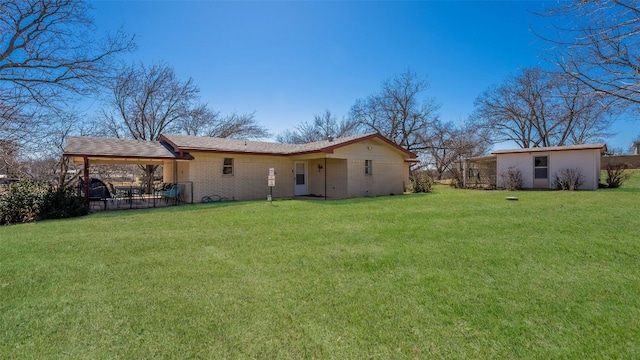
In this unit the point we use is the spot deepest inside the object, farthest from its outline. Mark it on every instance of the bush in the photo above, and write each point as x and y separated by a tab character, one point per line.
616	174
62	202
512	179
20	203
421	183
27	201
568	179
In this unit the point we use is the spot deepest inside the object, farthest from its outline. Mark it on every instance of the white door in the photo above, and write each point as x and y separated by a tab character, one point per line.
300	180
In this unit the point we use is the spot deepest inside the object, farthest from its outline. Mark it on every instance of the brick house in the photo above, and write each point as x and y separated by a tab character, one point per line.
363	165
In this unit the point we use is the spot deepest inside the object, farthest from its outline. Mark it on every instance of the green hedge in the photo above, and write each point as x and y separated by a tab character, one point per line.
28	201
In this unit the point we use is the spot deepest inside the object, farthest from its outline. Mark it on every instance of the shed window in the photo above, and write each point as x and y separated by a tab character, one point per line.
541	167
227	166
368	169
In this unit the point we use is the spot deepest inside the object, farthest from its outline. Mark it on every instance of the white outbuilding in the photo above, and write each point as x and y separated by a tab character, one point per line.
539	167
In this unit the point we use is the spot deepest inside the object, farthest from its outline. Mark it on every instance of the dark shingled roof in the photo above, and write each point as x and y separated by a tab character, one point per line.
172	146
205	143
118	148
191	143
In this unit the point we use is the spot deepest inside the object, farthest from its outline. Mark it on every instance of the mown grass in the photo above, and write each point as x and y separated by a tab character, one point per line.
451	274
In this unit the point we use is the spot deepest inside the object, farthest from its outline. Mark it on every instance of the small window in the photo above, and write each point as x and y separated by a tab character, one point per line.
368	169
227	166
540	161
541	167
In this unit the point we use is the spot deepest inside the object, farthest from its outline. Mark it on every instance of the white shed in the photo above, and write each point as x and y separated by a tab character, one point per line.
539	166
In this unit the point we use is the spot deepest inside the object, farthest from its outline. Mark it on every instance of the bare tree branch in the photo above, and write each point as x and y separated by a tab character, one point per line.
597	44
536	108
397	111
147	101
323	127
48	55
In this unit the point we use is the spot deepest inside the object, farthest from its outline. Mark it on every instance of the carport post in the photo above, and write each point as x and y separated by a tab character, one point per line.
86	180
464	173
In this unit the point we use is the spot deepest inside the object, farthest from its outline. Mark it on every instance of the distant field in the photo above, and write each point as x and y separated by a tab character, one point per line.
451	274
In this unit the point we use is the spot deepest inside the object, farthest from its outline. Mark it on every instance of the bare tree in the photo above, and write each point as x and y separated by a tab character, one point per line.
9	156
206	122
42	160
398	112
448	145
538	108
597	43
48	53
323	127
147	101
64	124
198	119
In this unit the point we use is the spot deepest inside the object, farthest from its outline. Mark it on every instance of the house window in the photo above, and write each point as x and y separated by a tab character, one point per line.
368	169
541	167
227	166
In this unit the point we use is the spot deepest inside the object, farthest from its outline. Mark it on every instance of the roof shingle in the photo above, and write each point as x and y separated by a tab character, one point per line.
106	147
190	143
119	148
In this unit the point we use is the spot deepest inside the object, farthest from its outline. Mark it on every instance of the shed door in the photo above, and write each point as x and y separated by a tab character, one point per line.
300	172
541	172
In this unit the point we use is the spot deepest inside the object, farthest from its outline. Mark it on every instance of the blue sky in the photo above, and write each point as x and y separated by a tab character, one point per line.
290	60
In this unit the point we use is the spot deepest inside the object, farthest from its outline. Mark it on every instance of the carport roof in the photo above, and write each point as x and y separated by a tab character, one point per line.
114	149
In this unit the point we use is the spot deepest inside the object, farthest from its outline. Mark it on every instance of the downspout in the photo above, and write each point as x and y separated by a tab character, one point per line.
86	180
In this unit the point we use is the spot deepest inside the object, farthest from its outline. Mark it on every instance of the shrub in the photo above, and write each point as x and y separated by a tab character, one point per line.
421	183
62	202
568	179
21	203
512	179
616	174
26	201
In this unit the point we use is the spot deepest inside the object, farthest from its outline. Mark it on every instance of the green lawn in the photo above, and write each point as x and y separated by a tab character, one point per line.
451	274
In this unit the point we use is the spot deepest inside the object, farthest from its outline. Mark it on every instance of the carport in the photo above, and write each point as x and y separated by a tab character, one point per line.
87	151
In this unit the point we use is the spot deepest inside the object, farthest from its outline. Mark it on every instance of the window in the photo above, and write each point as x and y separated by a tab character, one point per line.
368	169
227	166
300	173
541	167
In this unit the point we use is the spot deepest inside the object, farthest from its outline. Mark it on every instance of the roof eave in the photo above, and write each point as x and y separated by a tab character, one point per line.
601	147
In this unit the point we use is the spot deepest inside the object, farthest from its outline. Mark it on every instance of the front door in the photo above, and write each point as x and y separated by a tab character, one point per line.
301	187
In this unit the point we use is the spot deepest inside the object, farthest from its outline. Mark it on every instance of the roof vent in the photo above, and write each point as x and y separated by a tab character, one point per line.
330	138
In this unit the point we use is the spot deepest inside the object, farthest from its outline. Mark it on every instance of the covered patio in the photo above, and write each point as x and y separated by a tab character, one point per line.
480	172
89	152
